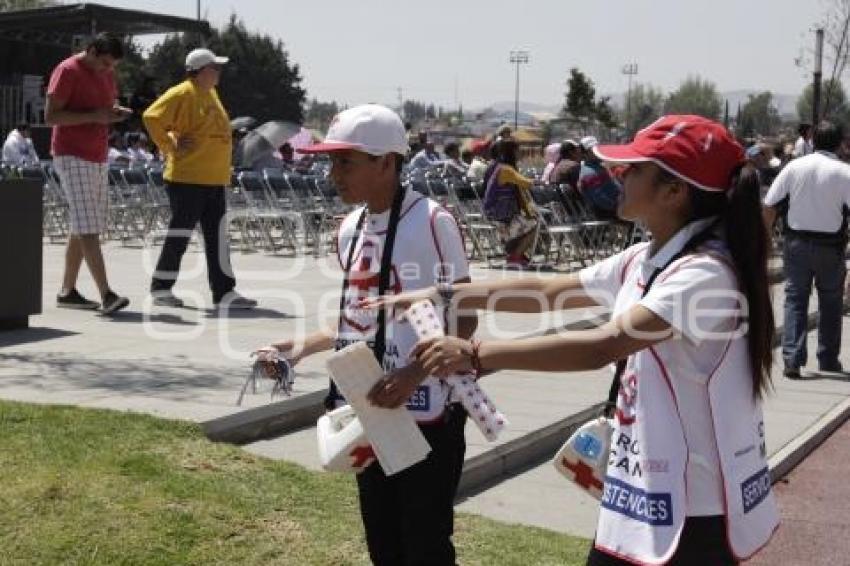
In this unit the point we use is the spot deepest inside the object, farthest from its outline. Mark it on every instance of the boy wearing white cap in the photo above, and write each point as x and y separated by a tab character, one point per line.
192	129
399	241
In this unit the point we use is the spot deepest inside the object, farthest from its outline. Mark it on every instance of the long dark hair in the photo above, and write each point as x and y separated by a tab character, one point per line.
748	243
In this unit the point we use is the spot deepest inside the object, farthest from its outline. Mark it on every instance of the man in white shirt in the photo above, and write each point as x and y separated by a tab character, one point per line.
18	148
452	165
803	145
399	241
426	158
813	193
476	170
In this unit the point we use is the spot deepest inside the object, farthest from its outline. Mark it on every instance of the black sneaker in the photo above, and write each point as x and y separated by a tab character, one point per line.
235	301
792	373
166	298
112	303
73	300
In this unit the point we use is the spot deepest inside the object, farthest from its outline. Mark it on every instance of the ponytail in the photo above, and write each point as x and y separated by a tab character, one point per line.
748	243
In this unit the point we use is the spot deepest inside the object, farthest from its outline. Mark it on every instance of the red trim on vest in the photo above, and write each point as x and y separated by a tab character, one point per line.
723	476
759	549
628	263
432	222
681	262
623	557
402	215
669	382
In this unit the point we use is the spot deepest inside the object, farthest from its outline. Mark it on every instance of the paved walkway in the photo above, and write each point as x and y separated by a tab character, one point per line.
814	499
190	363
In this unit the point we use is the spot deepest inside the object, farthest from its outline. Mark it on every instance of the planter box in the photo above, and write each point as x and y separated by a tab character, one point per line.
20	252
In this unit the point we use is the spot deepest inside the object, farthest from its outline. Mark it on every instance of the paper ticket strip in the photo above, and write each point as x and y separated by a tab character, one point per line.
396	439
425	320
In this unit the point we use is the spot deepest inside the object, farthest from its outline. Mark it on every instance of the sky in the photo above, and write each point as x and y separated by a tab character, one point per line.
453	52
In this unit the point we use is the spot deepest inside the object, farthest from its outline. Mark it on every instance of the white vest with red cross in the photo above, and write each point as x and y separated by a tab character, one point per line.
644	497
420	259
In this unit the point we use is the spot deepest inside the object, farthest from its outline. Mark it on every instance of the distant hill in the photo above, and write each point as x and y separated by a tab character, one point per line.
786	103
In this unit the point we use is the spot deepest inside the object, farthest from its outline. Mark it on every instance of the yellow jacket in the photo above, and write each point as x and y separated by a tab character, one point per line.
186	110
510	176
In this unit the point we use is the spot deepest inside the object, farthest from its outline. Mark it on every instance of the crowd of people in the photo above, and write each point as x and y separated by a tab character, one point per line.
688	389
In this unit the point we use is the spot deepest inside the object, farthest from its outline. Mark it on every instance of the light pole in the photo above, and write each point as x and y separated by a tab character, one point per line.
519	57
629	69
816	83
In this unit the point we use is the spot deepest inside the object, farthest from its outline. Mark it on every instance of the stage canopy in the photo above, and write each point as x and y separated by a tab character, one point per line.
63	25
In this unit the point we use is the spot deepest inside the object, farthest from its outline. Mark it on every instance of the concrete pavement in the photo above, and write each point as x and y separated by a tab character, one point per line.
190	363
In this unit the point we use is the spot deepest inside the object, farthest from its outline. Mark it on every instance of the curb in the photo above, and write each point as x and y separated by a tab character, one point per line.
482	471
789	456
488	468
268	421
523	453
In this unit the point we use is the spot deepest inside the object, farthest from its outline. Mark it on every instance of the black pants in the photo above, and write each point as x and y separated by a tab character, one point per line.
409	517
189	205
703	543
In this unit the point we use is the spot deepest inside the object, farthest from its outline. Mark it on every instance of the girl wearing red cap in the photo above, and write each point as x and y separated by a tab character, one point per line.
692	325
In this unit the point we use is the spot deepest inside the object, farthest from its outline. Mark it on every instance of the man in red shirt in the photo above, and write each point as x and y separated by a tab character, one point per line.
81	104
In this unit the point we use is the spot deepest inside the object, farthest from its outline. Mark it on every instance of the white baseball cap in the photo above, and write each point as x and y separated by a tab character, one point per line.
199	58
588	142
370	128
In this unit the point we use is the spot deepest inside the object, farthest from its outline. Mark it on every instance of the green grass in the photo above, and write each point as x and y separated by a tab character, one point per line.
81	486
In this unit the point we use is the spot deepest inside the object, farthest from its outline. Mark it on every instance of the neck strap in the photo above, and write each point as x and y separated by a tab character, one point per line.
690	245
384	274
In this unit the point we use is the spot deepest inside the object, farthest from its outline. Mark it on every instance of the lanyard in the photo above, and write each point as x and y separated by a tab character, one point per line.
379	346
690	245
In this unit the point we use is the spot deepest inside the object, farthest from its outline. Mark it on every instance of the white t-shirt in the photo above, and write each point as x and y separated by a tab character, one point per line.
697	296
428	247
802	147
818	186
19	150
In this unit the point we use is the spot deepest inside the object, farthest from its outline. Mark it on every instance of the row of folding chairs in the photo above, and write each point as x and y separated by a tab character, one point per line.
568	233
279	210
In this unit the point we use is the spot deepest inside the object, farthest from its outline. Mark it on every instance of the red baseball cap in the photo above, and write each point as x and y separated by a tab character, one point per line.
480	147
695	149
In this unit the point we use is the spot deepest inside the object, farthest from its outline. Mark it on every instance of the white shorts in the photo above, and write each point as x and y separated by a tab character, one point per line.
86	187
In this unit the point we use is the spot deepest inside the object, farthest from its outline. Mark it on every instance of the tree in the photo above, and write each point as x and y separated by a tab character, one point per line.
320	114
414	111
581	101
836	26
259	81
604	113
838	109
645	104
581	96
695	96
759	115
129	73
10	5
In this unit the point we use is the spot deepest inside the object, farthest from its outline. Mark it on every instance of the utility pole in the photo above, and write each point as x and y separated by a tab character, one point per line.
816	85
400	103
630	70
201	41
518	57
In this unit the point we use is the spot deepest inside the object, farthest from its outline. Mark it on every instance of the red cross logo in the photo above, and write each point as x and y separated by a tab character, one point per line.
583	473
363	282
362	455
